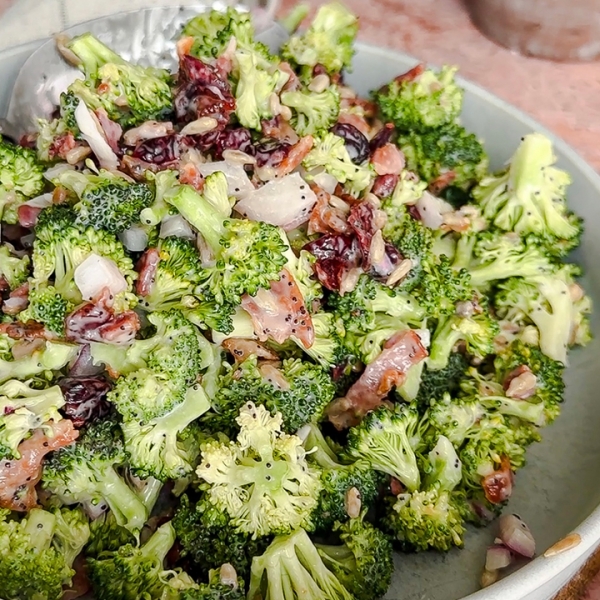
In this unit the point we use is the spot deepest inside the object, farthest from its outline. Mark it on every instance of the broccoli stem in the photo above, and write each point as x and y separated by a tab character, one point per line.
125	504
40	528
320	450
93	53
443	342
292	20
158	546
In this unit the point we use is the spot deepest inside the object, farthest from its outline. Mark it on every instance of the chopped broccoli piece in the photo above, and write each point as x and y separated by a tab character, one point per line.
434	384
85	472
219	587
313	111
48	307
22	411
328	348
421	99
263	480
327	42
106	535
130	94
13	270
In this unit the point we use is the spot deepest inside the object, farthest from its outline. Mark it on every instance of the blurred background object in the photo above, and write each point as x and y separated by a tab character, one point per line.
563	30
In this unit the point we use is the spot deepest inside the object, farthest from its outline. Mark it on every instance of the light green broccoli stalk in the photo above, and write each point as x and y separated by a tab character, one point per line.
328	41
262	480
421	99
22	411
330	153
529	196
13	270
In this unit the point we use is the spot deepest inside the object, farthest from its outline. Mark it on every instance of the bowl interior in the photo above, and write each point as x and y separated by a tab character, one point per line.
560	487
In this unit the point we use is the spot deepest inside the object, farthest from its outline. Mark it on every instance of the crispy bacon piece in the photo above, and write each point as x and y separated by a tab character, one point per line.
112	131
190	175
441	182
388	370
146	267
295	156
497	486
325	218
388	160
61	145
355	120
242	348
274	376
279	312
18	477
98	323
411	74
23	331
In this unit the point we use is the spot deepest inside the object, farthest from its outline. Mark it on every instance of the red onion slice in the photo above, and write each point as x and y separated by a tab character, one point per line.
515	534
498	557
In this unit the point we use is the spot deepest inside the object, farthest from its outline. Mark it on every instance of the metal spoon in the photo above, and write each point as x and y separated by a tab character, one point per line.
145	36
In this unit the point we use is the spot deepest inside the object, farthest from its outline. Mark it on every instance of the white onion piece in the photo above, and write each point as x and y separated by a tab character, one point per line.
238	184
326	182
424	336
286	202
497	557
53	172
176	225
515	534
94	509
97	273
42	201
431	210
90	133
135	239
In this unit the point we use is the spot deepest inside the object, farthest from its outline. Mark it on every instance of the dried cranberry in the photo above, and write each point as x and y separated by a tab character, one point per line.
384	185
382	137
158	151
356	142
271	152
238	138
85	399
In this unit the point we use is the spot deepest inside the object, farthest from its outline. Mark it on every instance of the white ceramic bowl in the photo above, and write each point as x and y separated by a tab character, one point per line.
559	490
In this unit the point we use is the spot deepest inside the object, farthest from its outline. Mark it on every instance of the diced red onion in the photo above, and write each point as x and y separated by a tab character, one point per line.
515	534
14	305
238	184
177	226
90	133
97	273
42	201
286	202
135	239
431	210
497	557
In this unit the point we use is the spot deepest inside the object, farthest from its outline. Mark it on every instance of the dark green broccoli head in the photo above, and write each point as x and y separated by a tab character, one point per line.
217	588
421	99
106	535
68	103
434	384
48	307
363	562
209	540
449	151
113	204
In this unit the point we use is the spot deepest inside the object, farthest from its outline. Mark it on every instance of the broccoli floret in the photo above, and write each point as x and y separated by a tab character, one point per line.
431	517
48	307
553	302
301	268
346	487
434	384
85	472
164	182
386	439
208	538
529	196
328	41
166	446
52	356
492	255
106	201
131	572
219	587
477	332
258	79
130	94
444	152
292	568
22	411
13	270
300	392
330	153
263	480
60	247
21	177
177	274
328	346
313	111
363	562
248	254
106	535
38	552
421	99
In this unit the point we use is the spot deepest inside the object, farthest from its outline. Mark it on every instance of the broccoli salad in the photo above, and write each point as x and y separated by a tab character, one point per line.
258	332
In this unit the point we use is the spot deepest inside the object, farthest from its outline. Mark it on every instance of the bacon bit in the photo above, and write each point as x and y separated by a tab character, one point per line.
411	74
241	349
497	486
279	312
4	286
190	175
293	83
28	215
98	323
441	182
274	376
146	267
388	370
279	129
325	218
384	185
355	120
23	331
388	160
24	348
61	145
18	477
295	156
184	46
396	487
520	383
112	131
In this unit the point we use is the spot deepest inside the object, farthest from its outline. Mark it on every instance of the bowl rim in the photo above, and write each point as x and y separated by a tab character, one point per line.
541	570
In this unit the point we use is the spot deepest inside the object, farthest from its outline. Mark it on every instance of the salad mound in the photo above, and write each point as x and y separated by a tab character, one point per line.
258	331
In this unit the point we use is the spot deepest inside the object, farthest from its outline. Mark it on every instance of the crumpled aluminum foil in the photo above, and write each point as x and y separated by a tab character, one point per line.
146	36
